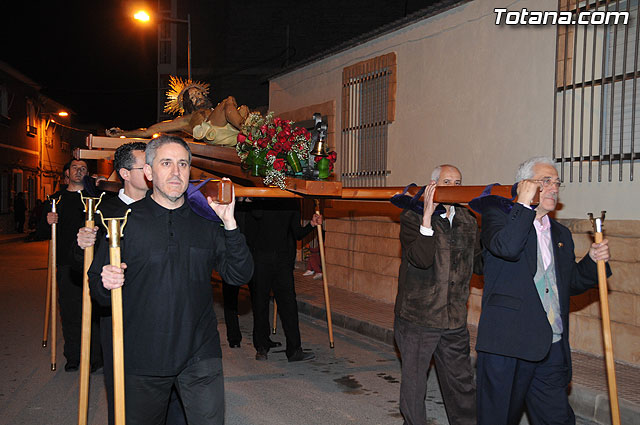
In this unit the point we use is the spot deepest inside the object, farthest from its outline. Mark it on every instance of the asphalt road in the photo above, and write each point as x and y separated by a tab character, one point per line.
357	382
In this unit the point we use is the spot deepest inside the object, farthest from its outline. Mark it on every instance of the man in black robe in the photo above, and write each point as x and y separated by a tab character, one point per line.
170	328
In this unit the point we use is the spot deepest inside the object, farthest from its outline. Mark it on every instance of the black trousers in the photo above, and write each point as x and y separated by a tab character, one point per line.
200	386
277	277
20	224
175	412
507	384
450	350
70	301
230	298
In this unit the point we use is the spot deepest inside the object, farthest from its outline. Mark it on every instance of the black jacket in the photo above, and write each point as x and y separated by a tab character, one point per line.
167	297
71	217
513	322
272	229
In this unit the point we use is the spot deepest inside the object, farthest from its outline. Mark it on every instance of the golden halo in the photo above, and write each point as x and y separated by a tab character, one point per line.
177	86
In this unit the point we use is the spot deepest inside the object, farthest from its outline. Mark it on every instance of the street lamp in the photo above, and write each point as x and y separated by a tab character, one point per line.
143	16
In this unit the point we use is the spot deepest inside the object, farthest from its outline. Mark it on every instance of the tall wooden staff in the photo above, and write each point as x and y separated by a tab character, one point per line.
115	231
275	316
90	205
324	277
47	300
606	324
54	284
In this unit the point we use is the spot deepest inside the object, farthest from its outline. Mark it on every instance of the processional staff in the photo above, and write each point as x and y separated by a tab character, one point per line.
47	300
324	277
275	317
90	206
606	323
115	231
52	289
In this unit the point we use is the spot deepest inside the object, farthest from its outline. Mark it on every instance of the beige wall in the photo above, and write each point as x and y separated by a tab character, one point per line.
469	92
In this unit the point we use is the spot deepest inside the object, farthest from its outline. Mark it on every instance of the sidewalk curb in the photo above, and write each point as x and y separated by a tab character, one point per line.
586	403
590	404
351	323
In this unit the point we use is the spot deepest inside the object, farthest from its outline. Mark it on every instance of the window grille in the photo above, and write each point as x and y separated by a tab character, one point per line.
5	192
164	52
31	192
4	102
48	138
368	107
596	123
32	130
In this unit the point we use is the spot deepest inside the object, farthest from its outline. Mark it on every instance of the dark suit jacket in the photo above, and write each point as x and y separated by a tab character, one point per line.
272	227
513	322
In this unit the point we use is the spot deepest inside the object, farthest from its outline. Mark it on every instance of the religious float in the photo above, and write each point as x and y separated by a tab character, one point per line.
268	157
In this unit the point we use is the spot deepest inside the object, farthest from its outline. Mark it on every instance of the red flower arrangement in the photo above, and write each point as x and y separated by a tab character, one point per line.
272	147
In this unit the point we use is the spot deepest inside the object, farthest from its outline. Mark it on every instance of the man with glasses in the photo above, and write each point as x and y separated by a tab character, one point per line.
530	271
70	217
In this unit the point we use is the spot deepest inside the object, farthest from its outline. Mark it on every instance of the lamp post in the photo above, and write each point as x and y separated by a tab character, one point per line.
144	17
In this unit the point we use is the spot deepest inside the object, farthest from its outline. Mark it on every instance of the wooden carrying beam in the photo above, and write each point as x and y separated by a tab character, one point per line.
447	194
224	161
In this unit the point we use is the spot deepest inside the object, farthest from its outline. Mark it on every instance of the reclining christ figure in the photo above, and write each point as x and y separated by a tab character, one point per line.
217	126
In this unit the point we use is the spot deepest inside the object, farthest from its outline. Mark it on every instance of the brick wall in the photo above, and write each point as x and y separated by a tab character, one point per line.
363	256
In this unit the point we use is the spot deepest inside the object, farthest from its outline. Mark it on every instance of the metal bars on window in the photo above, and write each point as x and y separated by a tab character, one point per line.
368	106
596	130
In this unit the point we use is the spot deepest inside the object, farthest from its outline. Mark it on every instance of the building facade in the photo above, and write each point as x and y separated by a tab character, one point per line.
456	86
35	143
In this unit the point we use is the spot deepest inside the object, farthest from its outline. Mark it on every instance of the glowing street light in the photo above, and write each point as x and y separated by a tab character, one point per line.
143	16
63	114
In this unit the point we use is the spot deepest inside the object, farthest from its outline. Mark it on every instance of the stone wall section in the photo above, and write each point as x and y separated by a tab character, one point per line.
363	256
623	294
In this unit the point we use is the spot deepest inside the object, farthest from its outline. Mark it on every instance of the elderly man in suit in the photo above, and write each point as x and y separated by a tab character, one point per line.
530	271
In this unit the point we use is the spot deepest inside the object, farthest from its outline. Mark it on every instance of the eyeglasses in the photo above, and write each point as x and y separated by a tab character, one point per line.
136	168
548	181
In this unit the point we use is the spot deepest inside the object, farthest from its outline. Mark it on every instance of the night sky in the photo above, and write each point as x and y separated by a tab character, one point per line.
93	58
86	55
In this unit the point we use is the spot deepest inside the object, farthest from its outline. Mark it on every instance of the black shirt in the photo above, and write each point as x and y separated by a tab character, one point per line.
71	217
169	320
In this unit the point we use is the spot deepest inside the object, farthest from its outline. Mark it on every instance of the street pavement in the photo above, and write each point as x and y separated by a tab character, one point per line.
356	382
